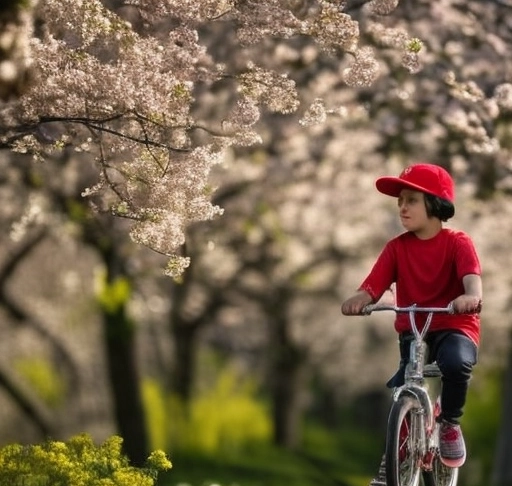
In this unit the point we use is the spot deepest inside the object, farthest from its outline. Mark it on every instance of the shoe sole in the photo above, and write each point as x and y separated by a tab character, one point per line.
453	463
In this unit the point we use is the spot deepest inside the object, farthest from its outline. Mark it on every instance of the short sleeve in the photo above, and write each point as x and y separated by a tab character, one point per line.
383	273
466	257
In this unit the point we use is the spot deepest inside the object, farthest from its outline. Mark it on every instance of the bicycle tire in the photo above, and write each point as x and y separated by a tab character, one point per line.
402	463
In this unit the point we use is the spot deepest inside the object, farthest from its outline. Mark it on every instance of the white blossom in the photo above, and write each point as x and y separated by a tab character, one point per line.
503	96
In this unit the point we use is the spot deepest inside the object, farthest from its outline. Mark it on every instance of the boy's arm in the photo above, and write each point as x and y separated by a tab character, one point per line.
471	300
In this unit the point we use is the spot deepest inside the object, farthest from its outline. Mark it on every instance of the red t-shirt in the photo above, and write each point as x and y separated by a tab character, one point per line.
427	273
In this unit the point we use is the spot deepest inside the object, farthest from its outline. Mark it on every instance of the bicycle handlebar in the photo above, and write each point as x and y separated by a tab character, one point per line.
368	309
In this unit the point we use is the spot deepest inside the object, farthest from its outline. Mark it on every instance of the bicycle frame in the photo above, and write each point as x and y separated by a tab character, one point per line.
422	425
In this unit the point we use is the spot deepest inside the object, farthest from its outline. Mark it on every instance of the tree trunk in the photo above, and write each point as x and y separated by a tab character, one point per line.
288	376
124	380
184	337
185	328
287	373
119	335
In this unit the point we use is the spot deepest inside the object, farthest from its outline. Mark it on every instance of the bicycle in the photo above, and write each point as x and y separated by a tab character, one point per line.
412	437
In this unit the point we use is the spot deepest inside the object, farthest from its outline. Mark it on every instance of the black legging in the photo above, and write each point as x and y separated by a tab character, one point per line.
455	355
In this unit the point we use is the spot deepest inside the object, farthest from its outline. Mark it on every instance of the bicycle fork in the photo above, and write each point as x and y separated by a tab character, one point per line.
423	424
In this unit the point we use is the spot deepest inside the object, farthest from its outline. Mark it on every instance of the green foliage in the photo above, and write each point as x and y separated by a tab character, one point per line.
43	378
113	295
157	413
77	462
224	418
221	420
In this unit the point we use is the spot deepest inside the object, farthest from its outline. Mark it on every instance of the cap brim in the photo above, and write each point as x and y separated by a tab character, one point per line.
392	186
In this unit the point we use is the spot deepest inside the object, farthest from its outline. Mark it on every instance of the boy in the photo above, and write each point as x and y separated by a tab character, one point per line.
431	266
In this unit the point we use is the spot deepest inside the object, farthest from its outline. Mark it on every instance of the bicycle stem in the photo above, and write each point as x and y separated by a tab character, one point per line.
414	368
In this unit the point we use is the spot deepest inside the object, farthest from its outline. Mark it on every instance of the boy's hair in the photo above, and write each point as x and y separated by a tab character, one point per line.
438	207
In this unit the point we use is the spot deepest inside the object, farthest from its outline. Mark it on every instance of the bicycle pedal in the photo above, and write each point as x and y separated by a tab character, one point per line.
378	482
431	371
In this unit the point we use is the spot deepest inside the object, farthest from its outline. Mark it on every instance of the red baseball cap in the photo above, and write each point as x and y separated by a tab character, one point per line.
429	178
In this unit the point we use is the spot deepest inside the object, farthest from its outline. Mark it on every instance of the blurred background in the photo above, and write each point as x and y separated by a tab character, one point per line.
243	369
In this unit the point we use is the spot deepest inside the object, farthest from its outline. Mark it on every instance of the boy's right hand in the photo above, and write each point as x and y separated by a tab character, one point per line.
354	305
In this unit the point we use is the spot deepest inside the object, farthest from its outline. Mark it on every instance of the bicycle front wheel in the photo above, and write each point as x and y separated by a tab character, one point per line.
402	456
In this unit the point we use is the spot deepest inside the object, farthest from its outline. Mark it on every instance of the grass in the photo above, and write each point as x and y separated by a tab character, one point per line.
346	457
326	459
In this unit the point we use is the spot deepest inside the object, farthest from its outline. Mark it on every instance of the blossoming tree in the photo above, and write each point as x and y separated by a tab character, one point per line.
121	80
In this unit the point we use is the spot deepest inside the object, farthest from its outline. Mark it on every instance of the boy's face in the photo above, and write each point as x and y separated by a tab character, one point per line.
413	213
